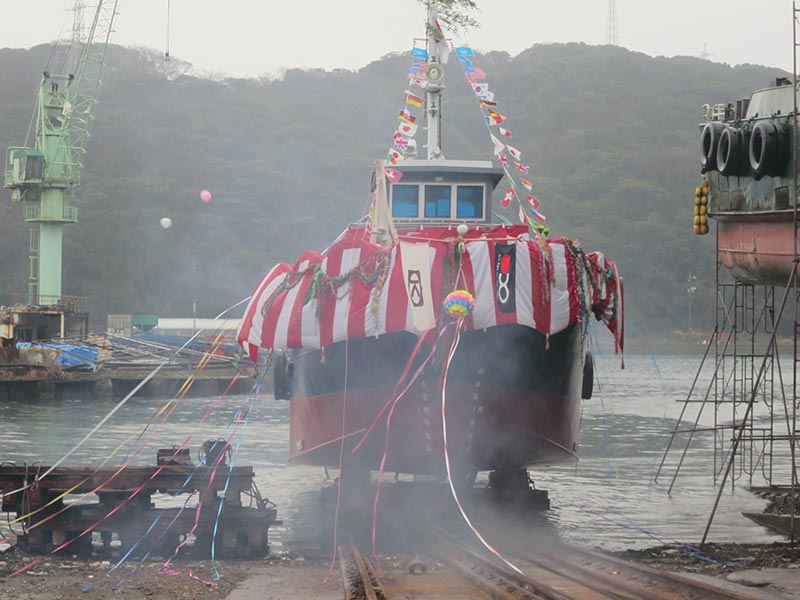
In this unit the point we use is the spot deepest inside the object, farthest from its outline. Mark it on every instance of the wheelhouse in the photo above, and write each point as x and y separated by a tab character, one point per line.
443	191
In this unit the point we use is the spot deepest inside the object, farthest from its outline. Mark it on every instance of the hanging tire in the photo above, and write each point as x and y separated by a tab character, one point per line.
588	377
709	140
732	152
768	149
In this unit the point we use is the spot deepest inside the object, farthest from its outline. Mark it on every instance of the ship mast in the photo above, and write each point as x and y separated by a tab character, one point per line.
433	93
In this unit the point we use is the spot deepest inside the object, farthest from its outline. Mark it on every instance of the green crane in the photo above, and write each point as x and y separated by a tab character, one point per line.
43	173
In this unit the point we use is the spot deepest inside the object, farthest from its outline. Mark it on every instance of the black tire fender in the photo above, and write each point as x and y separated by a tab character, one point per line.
709	141
732	152
768	150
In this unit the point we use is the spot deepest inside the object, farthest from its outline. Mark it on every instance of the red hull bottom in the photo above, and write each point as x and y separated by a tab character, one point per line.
513	400
757	251
487	428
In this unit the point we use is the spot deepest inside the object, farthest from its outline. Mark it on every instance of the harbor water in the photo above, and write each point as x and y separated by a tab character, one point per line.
608	499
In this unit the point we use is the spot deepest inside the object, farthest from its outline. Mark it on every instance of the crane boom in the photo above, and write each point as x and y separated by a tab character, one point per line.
44	172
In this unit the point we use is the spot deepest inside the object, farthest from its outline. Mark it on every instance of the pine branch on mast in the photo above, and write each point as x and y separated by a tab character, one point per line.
453	14
440	14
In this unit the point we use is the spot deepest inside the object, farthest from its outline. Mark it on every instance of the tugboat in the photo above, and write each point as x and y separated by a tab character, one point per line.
746	157
360	341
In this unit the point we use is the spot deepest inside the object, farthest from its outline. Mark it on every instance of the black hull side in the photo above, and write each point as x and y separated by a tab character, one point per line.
513	400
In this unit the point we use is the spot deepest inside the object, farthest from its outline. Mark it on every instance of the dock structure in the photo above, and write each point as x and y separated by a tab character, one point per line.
748	382
48	352
119	503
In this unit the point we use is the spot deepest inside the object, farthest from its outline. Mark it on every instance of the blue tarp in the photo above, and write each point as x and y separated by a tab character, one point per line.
69	355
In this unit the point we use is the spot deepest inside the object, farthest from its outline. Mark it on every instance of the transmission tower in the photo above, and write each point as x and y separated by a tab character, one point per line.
612	34
78	28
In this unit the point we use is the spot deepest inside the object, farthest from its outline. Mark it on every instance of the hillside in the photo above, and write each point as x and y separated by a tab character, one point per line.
611	136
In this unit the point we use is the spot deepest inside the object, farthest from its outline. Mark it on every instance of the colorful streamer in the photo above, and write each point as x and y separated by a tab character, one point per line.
472	528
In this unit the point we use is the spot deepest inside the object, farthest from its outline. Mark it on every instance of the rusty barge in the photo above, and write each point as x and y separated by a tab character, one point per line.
86	507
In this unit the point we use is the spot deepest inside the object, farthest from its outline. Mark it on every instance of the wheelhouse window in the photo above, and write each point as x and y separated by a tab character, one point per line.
405	201
469	202
437	200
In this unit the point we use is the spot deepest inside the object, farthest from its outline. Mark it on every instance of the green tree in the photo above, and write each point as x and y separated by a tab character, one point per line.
453	14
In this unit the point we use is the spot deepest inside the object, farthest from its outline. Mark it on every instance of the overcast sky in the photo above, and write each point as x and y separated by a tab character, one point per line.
253	37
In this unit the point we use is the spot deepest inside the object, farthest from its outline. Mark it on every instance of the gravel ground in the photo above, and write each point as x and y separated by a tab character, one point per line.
59	578
762	571
769	571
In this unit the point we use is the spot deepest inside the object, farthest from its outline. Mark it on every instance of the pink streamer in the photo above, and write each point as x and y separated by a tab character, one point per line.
386	443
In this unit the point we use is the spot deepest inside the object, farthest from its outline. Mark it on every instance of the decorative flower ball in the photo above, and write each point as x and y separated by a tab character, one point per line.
459	304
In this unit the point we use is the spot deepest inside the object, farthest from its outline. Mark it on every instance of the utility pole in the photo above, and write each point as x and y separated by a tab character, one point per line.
612	33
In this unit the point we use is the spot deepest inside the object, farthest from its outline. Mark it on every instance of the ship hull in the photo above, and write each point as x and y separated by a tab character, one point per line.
512	398
758	248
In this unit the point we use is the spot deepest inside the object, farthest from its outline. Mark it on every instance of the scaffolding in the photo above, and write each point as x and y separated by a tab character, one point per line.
748	377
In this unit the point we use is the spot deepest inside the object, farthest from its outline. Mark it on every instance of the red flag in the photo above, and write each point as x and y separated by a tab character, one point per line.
392	175
509	196
534	202
504	132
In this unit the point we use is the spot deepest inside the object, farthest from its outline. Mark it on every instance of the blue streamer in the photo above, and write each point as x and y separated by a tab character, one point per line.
254	390
224	492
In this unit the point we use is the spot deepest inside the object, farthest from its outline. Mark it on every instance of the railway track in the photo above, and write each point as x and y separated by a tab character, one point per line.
554	571
551	569
359	580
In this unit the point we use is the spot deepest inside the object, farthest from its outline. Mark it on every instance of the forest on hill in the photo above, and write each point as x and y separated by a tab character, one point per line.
611	137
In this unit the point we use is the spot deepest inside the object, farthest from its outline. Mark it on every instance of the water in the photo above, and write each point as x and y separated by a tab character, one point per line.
608	499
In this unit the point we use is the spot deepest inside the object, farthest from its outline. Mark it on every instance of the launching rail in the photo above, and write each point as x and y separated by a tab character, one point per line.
555	571
359	580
